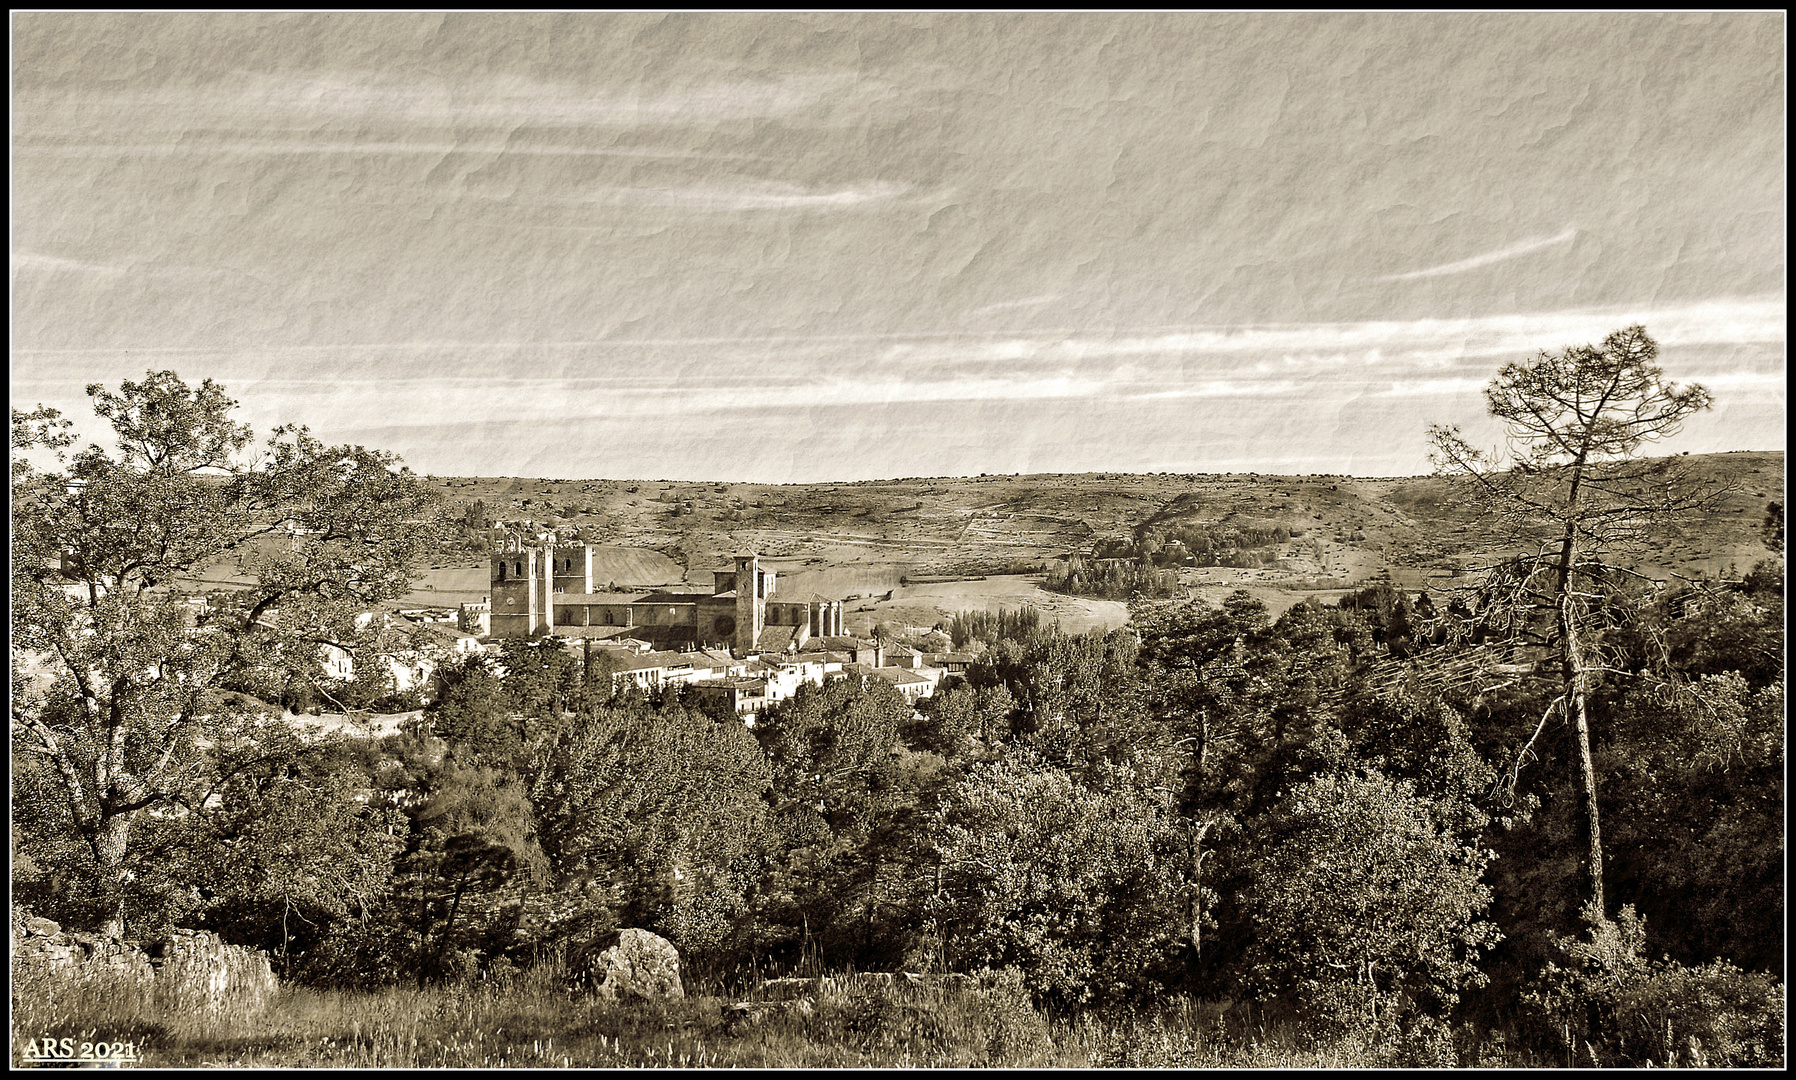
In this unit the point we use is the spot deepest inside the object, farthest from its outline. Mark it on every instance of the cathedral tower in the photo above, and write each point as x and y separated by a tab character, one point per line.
521	586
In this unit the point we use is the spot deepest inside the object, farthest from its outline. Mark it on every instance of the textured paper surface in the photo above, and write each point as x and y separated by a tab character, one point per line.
801	247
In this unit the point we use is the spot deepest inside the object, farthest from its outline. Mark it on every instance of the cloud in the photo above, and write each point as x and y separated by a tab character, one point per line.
36	263
277	147
754	195
1013	305
1513	251
502	102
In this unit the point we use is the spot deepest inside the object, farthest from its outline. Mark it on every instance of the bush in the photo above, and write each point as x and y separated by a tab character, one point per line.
1626	1010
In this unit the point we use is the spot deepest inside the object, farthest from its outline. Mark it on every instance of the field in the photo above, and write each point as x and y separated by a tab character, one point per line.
533	1020
914	551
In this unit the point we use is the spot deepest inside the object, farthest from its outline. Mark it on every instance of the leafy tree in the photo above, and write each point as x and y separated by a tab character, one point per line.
287	850
135	709
1575	420
472	856
1604	1003
957	714
541	680
1695	786
1366	900
841	802
472	712
1083	890
655	818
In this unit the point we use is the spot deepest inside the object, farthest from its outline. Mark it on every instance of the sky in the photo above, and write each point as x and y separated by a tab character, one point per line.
806	247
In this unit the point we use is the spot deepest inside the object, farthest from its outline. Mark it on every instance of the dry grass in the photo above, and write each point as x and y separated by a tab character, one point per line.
534	1021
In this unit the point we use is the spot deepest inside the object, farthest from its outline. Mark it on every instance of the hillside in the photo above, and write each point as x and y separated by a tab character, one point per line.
879	541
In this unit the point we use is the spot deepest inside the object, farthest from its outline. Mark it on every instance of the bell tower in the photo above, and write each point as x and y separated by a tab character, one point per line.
751	602
521	591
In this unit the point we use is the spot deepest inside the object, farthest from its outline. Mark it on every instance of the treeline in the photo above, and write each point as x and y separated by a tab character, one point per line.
1198	545
1144	565
1210	803
1111	579
993	626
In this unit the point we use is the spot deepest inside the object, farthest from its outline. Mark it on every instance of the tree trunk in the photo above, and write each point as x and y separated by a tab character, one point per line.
1587	773
110	842
1574	681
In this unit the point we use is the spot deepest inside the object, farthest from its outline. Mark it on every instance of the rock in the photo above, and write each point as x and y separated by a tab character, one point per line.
634	964
743	1015
42	927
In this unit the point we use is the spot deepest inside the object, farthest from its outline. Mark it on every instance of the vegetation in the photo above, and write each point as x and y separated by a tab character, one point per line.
1575	420
1112	579
1092	844
136	716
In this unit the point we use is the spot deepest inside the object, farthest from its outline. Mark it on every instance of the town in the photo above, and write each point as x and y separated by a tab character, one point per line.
739	645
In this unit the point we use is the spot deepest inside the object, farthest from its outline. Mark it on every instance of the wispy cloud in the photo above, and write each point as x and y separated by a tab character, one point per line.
1513	251
1015	305
1736	345
248	104
37	263
278	147
751	195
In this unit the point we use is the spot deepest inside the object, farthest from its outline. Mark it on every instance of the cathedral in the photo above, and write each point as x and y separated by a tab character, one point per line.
549	590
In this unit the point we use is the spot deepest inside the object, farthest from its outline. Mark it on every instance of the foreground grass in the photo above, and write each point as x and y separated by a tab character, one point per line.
534	1021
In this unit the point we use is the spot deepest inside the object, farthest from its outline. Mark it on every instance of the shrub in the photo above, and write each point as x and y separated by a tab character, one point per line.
1627	1010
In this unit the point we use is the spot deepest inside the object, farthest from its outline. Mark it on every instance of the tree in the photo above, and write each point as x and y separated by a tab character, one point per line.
133	713
1574	488
1087	890
1366	898
472	712
656	817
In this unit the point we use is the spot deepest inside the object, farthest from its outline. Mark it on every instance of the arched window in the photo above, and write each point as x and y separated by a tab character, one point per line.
501	571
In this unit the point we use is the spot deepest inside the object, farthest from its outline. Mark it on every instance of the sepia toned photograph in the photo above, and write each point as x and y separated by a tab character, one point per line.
976	540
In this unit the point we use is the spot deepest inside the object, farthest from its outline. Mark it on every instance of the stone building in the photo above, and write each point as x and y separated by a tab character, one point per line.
539	590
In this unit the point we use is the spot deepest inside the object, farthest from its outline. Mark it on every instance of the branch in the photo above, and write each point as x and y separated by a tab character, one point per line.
1505	787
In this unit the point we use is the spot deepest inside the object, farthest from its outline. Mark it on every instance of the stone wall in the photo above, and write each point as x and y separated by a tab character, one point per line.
190	970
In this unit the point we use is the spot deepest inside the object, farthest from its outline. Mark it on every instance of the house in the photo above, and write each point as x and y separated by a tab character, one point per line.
742	695
914	685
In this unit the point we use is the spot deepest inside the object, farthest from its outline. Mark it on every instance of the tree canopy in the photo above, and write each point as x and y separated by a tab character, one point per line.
133	713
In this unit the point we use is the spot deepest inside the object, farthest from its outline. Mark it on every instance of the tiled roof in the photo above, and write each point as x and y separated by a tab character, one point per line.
901	675
437	629
800	598
776	637
651	660
601	597
740	682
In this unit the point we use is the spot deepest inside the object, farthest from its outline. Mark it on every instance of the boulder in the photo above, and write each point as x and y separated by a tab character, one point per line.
634	965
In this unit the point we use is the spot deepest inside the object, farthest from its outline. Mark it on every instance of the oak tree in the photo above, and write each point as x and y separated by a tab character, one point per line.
129	709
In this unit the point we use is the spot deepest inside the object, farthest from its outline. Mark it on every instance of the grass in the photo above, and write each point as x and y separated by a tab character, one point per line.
535	1021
